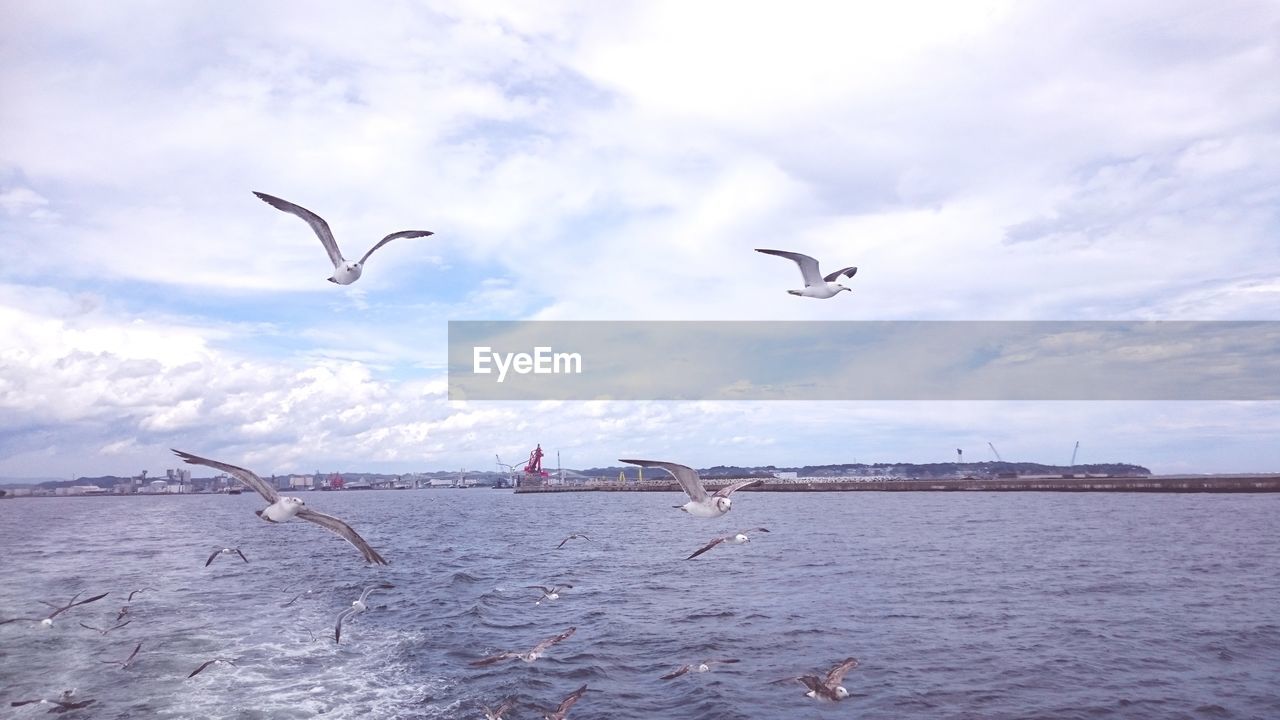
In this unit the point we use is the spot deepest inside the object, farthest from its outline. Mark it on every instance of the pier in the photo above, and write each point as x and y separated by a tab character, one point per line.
1150	484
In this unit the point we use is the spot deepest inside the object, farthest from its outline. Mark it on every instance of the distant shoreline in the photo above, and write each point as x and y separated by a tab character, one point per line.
1160	484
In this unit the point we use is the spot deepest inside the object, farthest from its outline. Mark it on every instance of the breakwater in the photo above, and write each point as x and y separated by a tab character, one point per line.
1151	484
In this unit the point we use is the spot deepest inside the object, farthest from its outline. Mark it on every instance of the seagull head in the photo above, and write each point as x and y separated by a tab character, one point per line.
841	693
703	667
741	538
292	501
723	504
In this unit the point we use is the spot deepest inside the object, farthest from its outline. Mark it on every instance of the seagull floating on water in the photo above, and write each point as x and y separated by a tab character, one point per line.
815	285
64	704
737	538
575	536
283	508
225	551
562	710
47	621
700	503
704	666
537	651
124	664
497	713
549	593
357	607
207	663
828	688
344	271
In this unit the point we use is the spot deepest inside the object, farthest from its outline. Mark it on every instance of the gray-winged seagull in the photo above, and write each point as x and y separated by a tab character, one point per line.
562	710
207	663
704	666
282	508
575	536
737	538
497	713
357	607
47	621
815	285
345	272
829	687
549	593
225	551
124	664
64	704
700	503
537	651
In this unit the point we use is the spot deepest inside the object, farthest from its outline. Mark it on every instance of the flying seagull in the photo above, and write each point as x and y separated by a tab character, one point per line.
47	621
357	607
344	271
135	592
700	504
124	610
64	704
548	593
815	285
737	538
562	710
575	536
107	630
496	713
828	688
124	664
701	667
207	663
282	508
528	657
225	551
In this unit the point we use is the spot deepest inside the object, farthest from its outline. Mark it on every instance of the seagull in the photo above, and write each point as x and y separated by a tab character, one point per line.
701	667
815	285
357	607
107	630
496	713
575	536
135	592
64	704
282	508
828	688
225	551
344	272
528	657
562	710
47	621
548	593
124	610
700	504
207	663
737	538
124	664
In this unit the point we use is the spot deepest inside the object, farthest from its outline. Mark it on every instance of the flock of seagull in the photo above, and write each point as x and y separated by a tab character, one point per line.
282	508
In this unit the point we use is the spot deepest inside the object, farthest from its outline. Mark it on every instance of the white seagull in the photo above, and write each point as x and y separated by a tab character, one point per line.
104	631
283	508
537	651
700	503
344	271
549	593
47	621
562	710
829	687
815	285
207	663
574	536
704	666
357	607
65	704
737	538
124	664
225	551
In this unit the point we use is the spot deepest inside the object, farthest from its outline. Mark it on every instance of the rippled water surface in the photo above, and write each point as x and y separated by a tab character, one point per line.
974	605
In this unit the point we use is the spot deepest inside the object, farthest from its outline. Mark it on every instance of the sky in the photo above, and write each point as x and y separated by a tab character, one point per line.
609	161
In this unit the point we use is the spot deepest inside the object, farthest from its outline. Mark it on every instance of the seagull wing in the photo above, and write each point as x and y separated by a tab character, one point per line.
332	523
707	547
203	665
104	632
725	661
394	236
82	602
546	590
755	530
316	222
242	557
337	629
676	673
731	489
563	708
813	683
135	592
685	475
838	672
212	557
482	662
808	266
133	654
849	271
540	647
562	542
364	595
262	487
